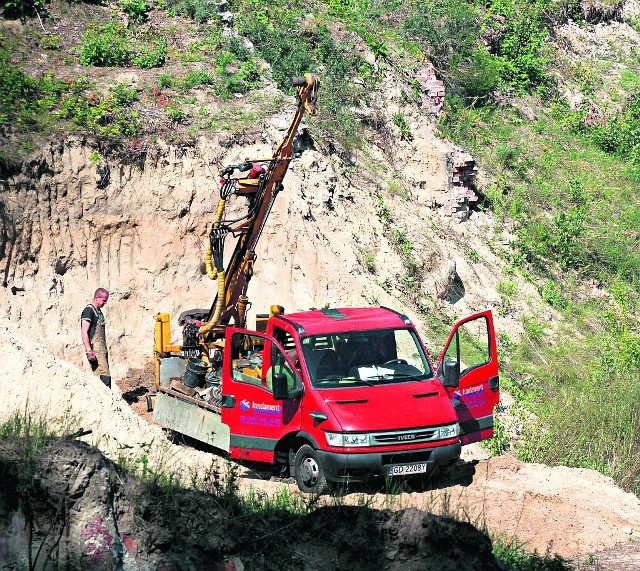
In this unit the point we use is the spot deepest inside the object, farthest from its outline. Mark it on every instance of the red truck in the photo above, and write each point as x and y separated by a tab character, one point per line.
341	395
332	395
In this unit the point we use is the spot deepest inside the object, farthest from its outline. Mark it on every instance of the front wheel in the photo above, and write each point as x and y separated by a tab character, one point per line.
308	471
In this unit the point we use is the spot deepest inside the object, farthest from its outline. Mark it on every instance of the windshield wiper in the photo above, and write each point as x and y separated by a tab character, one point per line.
339	378
395	376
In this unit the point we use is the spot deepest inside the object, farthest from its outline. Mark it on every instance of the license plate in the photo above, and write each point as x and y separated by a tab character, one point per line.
408	469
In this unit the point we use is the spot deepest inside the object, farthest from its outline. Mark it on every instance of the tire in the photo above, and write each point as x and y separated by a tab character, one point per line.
308	471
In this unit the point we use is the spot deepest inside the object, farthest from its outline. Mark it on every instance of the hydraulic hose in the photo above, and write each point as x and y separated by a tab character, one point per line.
209	325
212	271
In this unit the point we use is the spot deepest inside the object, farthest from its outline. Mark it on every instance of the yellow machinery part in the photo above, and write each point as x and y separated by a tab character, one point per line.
162	333
216	316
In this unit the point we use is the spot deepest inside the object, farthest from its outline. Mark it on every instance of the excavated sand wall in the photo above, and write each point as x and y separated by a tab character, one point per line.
72	221
70	225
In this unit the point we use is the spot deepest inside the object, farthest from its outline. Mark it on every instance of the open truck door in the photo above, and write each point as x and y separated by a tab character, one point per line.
468	369
262	392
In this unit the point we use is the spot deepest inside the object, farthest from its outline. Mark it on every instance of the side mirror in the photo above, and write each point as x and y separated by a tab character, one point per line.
279	387
451	374
281	390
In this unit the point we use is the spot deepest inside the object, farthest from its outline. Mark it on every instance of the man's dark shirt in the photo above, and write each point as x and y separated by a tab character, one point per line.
92	315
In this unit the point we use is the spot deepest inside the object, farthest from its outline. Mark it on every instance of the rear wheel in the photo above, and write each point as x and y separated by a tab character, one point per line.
308	471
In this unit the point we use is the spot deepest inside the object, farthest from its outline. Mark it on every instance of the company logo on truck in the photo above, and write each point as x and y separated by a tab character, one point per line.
259	407
474	396
260	413
473	391
265	408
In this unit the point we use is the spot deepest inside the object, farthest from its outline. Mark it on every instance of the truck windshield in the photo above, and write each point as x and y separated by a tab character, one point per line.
361	358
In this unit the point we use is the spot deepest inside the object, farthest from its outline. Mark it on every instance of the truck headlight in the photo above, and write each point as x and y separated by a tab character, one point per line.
449	431
347	440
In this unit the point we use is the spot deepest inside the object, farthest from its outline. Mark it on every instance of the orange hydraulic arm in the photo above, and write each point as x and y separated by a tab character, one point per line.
231	300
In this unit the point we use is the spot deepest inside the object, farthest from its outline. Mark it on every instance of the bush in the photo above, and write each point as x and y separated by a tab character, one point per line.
195	78
291	50
447	31
153	55
621	135
124	95
136	9
199	10
106	45
522	45
110	117
17	90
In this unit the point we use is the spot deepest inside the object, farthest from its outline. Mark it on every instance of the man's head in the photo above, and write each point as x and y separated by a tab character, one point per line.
100	297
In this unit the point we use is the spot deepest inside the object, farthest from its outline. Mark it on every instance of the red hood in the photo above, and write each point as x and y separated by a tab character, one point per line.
390	407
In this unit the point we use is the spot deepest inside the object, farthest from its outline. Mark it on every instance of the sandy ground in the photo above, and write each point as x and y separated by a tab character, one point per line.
575	513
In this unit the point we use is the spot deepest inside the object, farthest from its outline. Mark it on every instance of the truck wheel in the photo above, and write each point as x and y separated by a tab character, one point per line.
308	471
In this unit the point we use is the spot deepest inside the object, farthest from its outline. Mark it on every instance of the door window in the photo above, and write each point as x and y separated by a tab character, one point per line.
470	345
258	360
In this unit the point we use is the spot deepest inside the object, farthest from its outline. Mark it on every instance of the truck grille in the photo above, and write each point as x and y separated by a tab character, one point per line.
404	436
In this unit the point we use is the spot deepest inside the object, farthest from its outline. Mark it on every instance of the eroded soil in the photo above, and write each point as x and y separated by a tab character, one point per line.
578	514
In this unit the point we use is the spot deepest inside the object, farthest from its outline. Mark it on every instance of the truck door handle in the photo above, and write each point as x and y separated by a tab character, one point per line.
228	401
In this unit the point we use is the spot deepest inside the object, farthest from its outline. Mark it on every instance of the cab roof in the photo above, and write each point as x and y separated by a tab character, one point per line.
337	320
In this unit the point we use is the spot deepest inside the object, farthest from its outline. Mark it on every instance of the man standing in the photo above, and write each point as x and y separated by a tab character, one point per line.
92	326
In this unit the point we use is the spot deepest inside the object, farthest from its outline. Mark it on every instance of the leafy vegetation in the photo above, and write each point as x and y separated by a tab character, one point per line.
516	558
576	222
294	44
16	91
199	10
111	45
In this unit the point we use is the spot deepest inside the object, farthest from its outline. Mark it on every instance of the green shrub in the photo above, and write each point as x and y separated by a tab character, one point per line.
478	80
447	32
124	95
499	442
288	50
199	10
369	261
197	77
136	9
152	54
110	117
621	134
176	113
522	44
291	49
17	90
551	292
401	123
165	80
106	45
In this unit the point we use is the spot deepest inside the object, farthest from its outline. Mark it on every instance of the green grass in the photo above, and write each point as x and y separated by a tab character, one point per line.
577	219
515	558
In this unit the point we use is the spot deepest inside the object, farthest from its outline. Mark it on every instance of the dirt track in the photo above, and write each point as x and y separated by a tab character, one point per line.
576	513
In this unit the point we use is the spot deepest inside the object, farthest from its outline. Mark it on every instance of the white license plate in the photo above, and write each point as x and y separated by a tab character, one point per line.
408	469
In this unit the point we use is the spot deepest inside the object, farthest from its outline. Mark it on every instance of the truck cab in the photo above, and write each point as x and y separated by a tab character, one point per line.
344	395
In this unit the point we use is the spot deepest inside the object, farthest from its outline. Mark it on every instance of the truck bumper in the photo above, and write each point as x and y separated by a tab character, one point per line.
361	467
